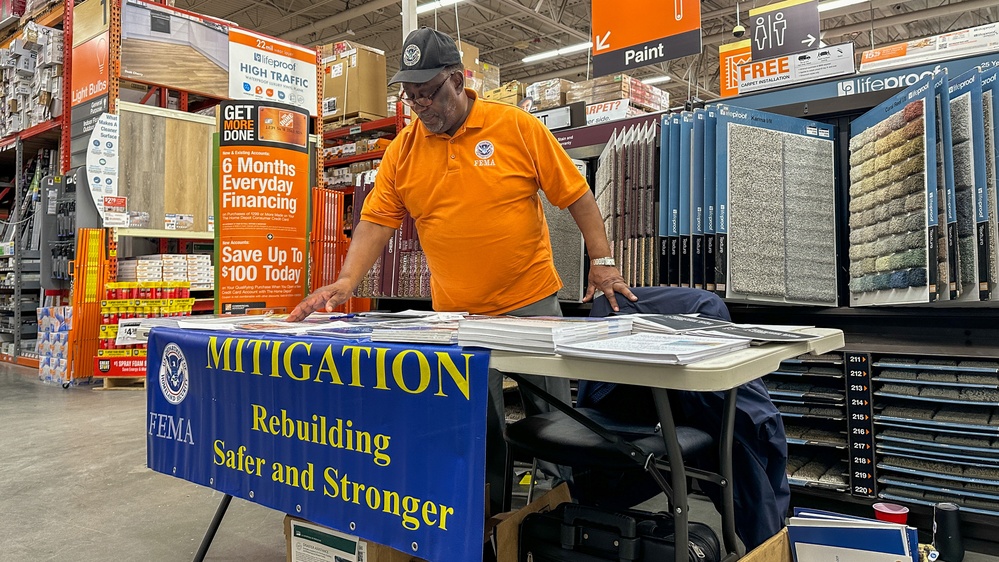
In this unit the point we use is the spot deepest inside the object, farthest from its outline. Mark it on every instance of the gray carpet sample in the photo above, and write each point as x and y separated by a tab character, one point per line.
990	181
810	222
756	212
960	119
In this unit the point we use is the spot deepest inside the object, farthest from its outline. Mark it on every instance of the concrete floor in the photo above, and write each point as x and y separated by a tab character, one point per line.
74	486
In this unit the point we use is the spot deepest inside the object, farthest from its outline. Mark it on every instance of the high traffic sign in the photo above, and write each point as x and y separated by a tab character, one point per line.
643	33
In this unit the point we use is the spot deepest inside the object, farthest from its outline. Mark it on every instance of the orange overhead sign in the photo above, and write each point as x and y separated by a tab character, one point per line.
730	57
642	32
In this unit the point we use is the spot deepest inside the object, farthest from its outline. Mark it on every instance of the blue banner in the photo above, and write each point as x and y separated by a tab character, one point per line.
383	441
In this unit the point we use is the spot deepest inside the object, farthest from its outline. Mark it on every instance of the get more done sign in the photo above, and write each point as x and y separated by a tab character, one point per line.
263	187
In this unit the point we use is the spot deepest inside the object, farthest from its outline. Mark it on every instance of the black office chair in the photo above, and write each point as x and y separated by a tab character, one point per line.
627	443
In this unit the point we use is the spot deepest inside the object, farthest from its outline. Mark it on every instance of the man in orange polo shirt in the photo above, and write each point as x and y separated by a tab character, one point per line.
469	171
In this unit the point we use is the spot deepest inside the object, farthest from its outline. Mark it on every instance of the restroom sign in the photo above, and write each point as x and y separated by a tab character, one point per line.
784	28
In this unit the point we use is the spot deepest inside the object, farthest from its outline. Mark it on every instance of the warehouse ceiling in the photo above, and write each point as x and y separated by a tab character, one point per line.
506	31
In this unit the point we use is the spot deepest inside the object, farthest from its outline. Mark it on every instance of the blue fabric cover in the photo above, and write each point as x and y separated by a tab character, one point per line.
760	486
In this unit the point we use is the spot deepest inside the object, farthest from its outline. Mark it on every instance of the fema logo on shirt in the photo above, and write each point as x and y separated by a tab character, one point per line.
484	151
174	377
411	55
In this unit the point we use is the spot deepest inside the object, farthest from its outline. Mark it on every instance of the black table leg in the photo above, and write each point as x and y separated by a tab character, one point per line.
725	443
206	542
677	472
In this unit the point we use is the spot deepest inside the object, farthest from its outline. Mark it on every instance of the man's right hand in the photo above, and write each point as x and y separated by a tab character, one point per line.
327	297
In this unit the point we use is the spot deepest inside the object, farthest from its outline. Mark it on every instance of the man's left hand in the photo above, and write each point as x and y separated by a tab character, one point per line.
607	279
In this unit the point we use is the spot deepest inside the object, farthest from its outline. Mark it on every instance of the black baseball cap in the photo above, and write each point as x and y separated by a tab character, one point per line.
425	53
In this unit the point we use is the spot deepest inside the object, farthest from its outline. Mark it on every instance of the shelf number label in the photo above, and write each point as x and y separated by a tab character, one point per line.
859	417
861	460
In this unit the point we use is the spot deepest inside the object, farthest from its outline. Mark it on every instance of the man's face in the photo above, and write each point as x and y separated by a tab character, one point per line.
442	114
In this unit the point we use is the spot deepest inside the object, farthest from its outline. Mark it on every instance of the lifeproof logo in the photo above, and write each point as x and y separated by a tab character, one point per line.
275	63
175	378
875	84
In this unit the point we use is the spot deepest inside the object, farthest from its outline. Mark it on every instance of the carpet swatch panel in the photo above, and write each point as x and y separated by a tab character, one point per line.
810	219
990	181
756	212
960	119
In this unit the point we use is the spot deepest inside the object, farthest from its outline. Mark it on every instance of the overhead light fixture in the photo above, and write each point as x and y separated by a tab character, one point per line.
558	52
657	80
435	5
833	4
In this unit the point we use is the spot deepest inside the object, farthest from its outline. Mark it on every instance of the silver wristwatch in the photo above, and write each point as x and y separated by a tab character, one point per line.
603	261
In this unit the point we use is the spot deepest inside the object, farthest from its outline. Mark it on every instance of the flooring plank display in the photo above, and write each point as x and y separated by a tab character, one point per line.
710	209
775	200
626	190
893	209
968	137
166	165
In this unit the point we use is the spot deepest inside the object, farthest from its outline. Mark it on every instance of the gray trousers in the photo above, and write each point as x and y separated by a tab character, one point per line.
496	447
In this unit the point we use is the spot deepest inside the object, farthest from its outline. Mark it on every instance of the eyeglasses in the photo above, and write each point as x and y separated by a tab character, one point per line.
424	101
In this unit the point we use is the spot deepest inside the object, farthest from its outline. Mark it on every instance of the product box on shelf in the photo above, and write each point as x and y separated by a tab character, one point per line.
547	94
469	56
511	92
354	78
618	86
490	76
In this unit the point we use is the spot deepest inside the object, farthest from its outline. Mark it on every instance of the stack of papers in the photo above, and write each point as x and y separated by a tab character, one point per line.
673	323
675	349
426	333
821	536
701	326
538	334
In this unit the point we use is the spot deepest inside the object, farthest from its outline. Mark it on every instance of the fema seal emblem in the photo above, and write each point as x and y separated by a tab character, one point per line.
411	55
174	378
484	149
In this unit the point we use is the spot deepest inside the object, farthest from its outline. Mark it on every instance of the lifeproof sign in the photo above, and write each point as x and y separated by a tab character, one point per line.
261	203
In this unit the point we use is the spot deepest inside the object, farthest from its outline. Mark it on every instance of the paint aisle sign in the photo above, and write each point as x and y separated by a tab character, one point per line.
642	33
264	68
261	206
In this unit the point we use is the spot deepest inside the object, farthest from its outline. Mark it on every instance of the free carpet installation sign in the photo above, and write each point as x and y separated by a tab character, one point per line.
261	205
384	441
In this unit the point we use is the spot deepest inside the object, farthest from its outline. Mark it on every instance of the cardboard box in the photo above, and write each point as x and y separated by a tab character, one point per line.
511	92
547	94
469	56
506	526
308	542
490	76
776	549
354	80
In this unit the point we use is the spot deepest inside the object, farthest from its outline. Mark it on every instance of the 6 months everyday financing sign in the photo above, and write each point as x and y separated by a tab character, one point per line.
262	206
384	441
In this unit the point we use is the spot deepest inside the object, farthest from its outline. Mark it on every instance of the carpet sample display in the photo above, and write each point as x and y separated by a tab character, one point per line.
890	224
809	192
988	118
976	215
946	251
776	182
756	211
